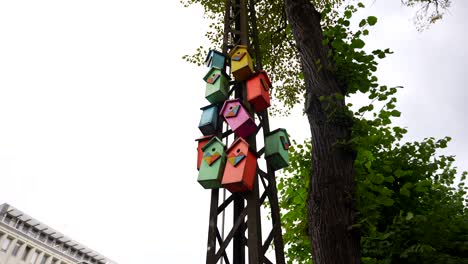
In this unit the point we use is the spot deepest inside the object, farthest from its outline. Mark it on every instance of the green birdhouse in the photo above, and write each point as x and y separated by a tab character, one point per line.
276	149
217	85
212	164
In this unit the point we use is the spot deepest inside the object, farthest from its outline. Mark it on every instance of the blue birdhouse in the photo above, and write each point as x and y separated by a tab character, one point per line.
209	120
216	59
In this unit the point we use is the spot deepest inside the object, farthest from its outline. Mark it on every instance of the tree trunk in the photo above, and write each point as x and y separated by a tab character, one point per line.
331	211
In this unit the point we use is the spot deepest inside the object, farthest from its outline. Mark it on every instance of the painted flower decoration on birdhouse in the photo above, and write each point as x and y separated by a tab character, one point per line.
285	142
232	111
238	56
210	158
235	158
212	79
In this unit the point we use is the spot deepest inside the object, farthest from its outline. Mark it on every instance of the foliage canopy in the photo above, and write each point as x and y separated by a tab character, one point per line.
275	37
409	209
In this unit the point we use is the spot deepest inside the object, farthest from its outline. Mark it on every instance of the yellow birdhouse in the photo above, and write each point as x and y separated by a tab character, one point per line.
241	63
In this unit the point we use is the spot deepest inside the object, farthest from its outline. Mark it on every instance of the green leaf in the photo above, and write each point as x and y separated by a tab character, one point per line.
405	192
389	179
378	178
384	200
280	185
348	14
357	44
395	113
372	20
409	216
362	23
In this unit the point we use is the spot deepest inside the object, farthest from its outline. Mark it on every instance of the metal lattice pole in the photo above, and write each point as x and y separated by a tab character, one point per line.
240	29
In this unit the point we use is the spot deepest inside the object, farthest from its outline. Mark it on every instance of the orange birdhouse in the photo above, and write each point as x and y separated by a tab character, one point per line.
241	166
258	91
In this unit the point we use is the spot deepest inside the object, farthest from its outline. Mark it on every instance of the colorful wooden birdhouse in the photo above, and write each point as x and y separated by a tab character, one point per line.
241	63
216	59
202	142
209	120
237	117
212	164
217	85
276	148
258	91
241	166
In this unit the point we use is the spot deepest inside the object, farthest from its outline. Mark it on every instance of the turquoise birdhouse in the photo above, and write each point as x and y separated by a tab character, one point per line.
216	59
276	148
217	85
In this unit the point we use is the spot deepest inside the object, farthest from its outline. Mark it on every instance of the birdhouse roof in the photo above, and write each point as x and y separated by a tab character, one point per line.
237	141
204	138
212	69
240	140
276	131
208	106
237	100
214	140
234	50
211	53
264	73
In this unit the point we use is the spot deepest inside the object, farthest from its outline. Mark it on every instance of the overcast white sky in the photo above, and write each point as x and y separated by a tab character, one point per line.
98	115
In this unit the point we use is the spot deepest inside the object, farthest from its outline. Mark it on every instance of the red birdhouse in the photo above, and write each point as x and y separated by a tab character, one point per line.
241	166
258	91
201	142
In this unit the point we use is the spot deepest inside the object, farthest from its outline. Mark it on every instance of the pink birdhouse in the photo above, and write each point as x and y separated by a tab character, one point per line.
237	117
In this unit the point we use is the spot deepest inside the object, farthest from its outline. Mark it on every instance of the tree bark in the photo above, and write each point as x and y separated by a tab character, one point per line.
331	211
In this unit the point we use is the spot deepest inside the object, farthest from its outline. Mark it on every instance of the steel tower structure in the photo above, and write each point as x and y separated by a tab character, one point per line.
240	28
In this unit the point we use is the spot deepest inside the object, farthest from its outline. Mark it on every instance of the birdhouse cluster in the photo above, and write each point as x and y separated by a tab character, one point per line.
235	167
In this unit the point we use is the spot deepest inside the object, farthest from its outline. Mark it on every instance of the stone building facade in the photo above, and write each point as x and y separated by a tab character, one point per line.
25	240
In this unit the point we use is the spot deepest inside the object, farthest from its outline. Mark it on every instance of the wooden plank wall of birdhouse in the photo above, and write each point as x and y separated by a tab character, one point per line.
258	91
241	122
217	86
239	173
201	142
276	149
241	63
212	164
209	120
216	59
